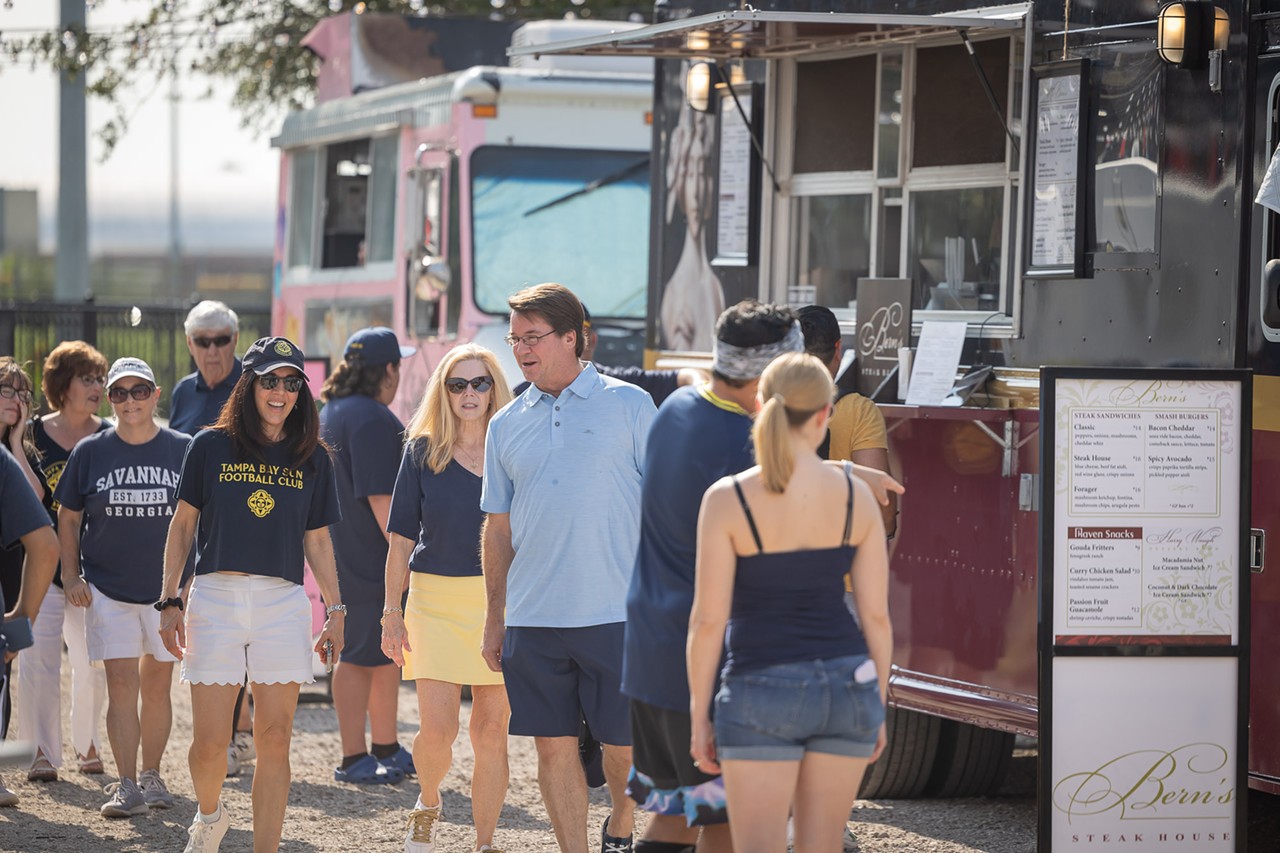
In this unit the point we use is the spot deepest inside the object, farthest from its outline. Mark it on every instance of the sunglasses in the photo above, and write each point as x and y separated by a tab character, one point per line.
205	343
292	384
480	383
141	391
9	392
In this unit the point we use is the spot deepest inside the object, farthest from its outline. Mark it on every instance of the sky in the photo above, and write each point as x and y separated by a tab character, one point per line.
227	175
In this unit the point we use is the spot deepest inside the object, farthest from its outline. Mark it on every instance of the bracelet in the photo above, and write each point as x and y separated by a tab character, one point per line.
335	608
387	611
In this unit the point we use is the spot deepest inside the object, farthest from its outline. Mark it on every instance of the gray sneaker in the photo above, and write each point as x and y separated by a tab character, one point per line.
207	837
240	752
126	800
154	789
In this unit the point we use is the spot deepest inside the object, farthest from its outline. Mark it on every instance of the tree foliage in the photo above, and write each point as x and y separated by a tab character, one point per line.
253	44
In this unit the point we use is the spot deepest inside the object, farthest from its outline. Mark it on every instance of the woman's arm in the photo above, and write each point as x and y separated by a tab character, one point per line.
318	548
69	544
395	640
182	529
712	600
871	591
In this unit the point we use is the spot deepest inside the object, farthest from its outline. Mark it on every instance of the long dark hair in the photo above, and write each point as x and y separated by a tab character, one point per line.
239	421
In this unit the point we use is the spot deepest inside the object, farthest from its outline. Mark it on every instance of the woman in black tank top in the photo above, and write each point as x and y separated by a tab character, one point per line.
800	709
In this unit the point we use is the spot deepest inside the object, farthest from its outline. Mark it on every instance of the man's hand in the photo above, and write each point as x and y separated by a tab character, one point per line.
491	648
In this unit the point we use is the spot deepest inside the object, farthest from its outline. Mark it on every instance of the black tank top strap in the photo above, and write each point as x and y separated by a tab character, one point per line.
751	521
848	507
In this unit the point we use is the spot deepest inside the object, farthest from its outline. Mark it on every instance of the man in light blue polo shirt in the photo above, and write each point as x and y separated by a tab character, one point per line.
561	491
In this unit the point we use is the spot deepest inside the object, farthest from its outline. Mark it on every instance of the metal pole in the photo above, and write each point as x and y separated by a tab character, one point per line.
72	260
175	236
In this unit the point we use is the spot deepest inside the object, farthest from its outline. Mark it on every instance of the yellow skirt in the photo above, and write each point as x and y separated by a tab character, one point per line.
444	619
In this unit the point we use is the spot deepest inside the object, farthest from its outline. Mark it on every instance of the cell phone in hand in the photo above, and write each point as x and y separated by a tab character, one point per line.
15	634
326	654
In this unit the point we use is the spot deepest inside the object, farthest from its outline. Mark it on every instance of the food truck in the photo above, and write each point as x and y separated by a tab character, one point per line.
422	190
1073	181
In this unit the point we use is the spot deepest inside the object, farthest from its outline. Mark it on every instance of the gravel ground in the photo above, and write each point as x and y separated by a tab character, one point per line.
325	816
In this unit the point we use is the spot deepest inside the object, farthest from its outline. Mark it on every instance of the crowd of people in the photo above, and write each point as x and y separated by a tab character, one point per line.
691	594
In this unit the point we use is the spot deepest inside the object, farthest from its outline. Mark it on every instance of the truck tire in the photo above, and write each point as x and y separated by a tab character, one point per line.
908	760
971	761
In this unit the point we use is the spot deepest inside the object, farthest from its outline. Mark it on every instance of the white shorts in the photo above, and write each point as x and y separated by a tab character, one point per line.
117	629
247	625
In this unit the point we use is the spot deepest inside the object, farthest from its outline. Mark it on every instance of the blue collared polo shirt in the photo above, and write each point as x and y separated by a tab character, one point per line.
193	405
568	470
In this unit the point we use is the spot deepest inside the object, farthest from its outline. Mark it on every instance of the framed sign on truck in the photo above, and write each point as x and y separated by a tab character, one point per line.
1144	609
1057	203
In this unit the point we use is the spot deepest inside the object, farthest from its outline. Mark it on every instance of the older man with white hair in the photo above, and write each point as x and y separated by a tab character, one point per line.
212	330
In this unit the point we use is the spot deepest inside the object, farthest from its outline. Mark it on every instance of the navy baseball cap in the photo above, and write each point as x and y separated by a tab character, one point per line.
266	354
376	345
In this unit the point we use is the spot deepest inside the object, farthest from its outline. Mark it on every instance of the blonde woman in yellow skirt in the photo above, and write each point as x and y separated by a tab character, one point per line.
435	537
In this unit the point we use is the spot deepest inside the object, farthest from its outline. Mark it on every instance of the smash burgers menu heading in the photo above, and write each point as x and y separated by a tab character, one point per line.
1146	511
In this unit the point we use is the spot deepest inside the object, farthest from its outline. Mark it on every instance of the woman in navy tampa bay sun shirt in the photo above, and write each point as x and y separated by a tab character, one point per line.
257	493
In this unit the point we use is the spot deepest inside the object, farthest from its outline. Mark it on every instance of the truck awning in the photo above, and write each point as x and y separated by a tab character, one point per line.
748	34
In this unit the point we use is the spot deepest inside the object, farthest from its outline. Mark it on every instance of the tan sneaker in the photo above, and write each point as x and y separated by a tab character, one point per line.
424	829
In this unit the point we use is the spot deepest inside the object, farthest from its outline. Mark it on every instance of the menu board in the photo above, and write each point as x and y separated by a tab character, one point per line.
1146	510
884	327
1054	220
1144	601
733	207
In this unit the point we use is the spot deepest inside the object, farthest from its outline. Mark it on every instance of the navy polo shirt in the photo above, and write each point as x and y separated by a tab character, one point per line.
696	439
440	512
193	405
253	513
364	438
125	494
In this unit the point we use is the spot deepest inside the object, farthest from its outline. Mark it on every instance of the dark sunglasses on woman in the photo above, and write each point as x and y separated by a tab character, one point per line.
138	392
292	384
480	383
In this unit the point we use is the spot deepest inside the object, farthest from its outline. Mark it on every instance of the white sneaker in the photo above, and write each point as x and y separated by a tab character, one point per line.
240	752
424	829
7	797
206	837
127	800
155	790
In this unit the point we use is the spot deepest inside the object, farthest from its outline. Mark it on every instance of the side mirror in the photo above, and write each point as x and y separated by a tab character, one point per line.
1271	294
434	277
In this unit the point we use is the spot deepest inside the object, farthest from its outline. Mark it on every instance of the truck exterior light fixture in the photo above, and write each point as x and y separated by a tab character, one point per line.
1188	29
699	84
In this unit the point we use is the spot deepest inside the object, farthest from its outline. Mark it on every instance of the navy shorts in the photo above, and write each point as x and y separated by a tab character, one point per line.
557	676
362	635
780	712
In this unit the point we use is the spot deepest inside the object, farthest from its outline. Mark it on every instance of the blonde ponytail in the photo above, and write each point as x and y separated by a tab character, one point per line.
794	387
772	435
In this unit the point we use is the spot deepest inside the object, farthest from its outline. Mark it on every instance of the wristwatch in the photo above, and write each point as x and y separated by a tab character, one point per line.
335	608
165	603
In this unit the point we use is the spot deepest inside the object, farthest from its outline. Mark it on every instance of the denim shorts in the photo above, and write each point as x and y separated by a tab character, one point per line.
780	712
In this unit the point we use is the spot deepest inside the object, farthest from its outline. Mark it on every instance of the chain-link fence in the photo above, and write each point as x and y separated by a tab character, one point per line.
30	330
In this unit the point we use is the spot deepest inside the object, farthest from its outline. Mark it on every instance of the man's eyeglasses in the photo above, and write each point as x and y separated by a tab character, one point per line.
141	391
9	392
530	341
90	381
292	384
205	343
458	385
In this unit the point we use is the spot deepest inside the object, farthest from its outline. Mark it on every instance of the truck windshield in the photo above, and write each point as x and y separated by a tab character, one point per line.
580	218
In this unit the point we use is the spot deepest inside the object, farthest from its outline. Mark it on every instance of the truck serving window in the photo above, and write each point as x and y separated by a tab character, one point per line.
902	169
576	217
359	202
